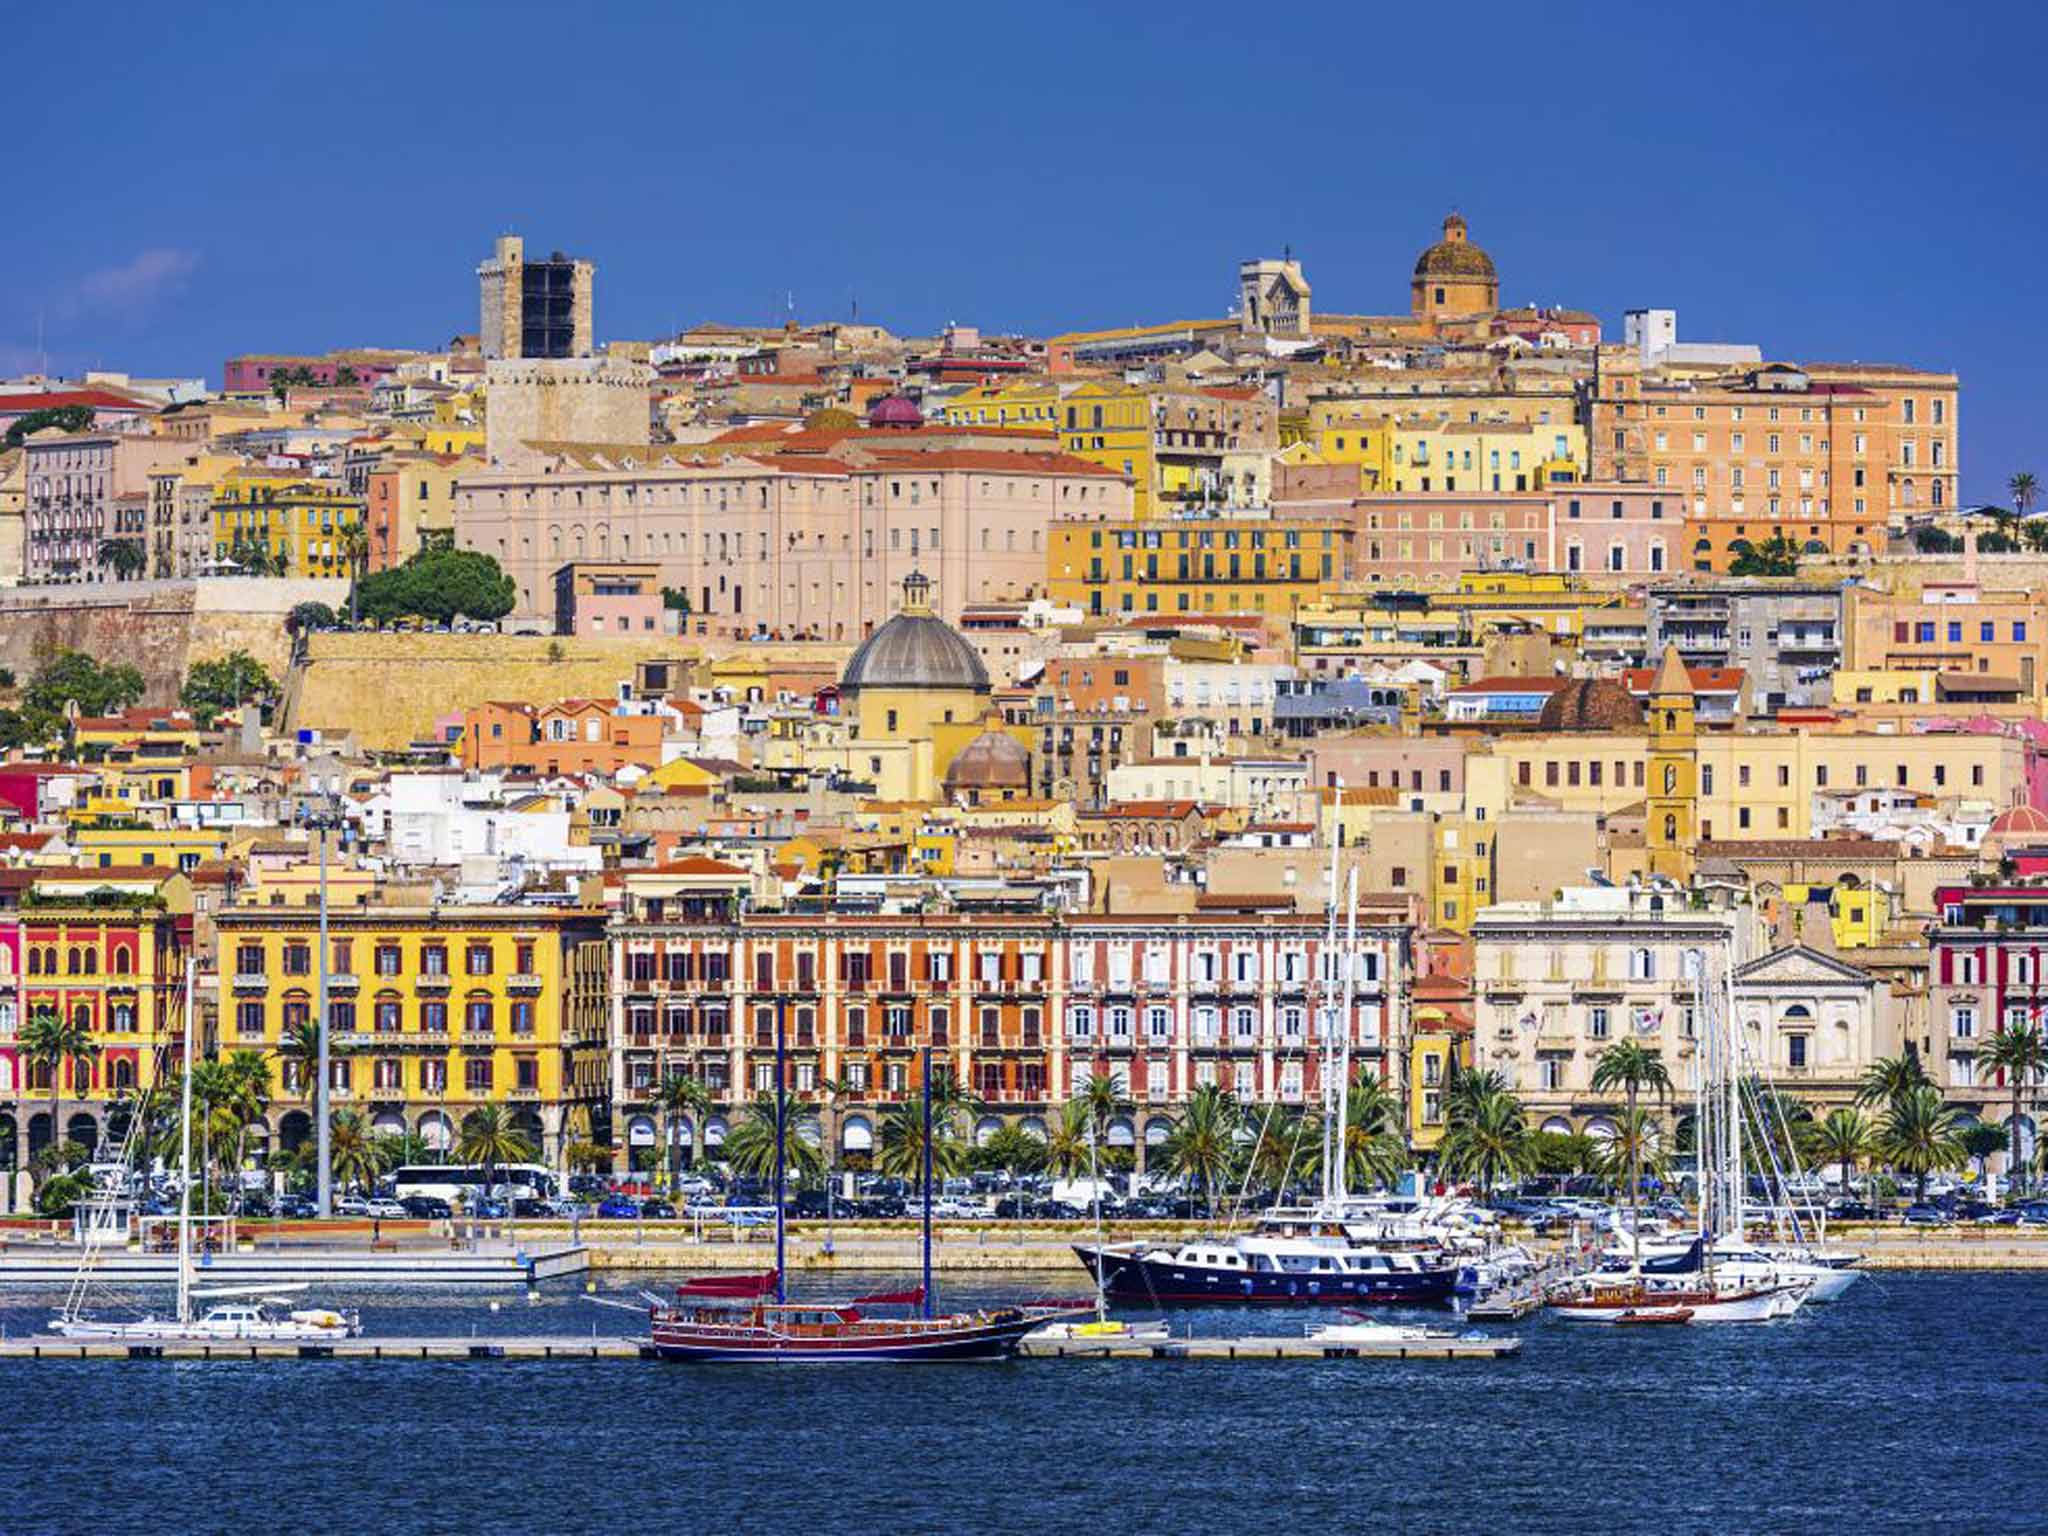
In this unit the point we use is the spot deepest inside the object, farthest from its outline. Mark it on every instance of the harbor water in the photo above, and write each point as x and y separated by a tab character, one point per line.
1916	1403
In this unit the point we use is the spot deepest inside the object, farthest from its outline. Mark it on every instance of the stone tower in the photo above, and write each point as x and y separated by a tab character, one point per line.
540	308
1671	828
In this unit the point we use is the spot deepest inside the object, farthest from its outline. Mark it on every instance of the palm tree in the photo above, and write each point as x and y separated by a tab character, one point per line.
2024	489
1067	1141
1282	1154
300	1047
490	1137
1375	1150
902	1151
678	1095
1634	1070
353	1154
1487	1140
51	1040
1780	1122
2020	1051
750	1145
1920	1135
1844	1137
354	542
1013	1150
1634	1150
1203	1143
1890	1077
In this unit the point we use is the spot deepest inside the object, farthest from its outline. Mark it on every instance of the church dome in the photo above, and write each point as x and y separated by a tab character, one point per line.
916	649
895	411
1454	256
2020	821
993	760
1590	704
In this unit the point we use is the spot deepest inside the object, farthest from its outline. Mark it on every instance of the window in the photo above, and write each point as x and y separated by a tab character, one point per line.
477	959
1795	1051
1596	1023
1552	1073
1963	1023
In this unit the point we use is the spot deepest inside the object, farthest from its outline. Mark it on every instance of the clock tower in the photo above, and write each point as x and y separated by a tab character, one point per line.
1672	827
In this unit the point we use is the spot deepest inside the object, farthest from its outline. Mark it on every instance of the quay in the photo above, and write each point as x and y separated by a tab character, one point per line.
308	1263
569	1347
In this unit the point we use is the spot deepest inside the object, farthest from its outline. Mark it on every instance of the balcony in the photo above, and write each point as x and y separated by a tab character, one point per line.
433	981
479	1035
343	981
523	981
252	981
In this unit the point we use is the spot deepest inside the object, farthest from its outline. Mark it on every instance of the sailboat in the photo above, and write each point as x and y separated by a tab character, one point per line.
751	1318
1102	1328
270	1318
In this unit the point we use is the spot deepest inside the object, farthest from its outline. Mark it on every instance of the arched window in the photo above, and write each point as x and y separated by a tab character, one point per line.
1671	829
35	961
71	961
92	961
122	963
124	1074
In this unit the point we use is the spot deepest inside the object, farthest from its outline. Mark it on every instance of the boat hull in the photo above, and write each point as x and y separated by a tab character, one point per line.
968	1340
1163	1280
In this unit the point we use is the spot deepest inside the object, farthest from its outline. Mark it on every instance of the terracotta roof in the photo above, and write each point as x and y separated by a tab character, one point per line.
1641	680
1133	809
993	460
692	866
98	399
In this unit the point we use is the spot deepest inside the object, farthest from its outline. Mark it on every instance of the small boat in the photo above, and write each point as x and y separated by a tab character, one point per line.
1360	1329
1605	1301
1655	1317
1108	1330
265	1321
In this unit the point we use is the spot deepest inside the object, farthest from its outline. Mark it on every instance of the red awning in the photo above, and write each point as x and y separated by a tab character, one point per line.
744	1286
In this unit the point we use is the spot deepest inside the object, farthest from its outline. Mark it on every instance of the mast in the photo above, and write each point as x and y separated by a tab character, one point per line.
1332	1105
185	1161
925	1302
1095	1186
1337	1173
781	1129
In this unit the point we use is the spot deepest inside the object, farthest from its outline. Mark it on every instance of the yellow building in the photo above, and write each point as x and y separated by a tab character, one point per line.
1857	916
1432	454
1174	441
139	847
1197	564
304	521
436	1011
1353	432
1033	404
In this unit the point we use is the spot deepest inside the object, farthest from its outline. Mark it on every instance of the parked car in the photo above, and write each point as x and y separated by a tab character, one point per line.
1855	1210
427	1208
351	1205
531	1207
593	1184
1927	1215
381	1209
618	1208
296	1208
957	1208
657	1210
811	1205
489	1209
569	1210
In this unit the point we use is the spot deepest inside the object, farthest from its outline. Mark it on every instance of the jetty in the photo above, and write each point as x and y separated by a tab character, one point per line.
306	1263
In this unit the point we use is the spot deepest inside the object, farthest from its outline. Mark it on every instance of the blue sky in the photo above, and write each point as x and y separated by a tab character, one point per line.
1829	182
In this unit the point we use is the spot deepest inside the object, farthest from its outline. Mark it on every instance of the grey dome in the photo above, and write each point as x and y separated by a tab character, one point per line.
915	650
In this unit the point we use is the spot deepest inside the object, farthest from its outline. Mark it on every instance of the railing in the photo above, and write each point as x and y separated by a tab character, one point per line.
523	981
433	981
342	981
251	981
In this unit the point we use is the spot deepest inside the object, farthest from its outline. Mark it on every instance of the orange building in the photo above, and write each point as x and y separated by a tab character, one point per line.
573	736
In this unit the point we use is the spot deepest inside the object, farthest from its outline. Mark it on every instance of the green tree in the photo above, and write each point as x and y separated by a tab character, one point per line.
1202	1146
127	558
1486	1140
1068	1142
1012	1150
65	418
345	377
750	1145
438	585
355	551
2020	1051
1634	1071
2024	489
352	1152
298	1048
489	1136
1776	556
1919	1135
53	1041
1844	1137
72	677
1890	1077
677	1095
1375	1149
224	683
307	617
1979	1142
1560	1155
1634	1150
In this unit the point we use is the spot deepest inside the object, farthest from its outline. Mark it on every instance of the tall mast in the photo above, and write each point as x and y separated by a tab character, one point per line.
1343	1086
781	1130
1332	1103
185	1161
925	1302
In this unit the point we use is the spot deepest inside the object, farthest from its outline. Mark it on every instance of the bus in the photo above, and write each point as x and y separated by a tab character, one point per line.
464	1182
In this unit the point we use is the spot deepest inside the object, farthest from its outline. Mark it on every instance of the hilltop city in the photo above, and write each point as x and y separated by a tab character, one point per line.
596	728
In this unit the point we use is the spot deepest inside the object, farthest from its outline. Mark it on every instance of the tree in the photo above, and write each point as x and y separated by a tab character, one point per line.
489	1136
354	541
1374	1148
214	687
345	377
2035	533
2020	1051
901	1154
1634	1070
1776	556
678	1095
1890	1077
438	585
1777	1125
127	558
65	418
351	1152
1634	1150
1844	1137
2024	489
306	617
1013	1150
1486	1140
1979	1142
53	1041
750	1145
1555	1153
72	677
299	1049
1920	1136
1931	540
1202	1146
1068	1142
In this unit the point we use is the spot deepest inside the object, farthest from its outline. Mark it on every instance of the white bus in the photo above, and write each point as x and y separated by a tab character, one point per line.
464	1182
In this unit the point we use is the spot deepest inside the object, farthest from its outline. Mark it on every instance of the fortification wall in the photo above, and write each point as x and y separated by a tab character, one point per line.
159	627
390	688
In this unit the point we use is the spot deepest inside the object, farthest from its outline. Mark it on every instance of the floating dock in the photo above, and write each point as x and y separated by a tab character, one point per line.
304	1264
1505	1309
599	1347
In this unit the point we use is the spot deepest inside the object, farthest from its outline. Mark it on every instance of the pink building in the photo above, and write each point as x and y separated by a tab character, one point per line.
252	375
83	489
1617	530
796	544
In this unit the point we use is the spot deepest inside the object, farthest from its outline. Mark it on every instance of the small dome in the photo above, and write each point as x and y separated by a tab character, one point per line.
993	760
1455	256
2020	821
915	650
895	411
1590	704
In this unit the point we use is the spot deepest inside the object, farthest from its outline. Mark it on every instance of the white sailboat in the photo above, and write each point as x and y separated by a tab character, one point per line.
271	1318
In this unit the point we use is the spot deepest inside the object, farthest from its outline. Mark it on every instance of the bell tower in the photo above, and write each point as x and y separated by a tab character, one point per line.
1672	829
